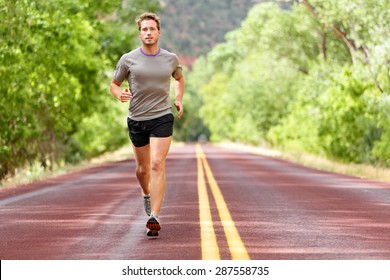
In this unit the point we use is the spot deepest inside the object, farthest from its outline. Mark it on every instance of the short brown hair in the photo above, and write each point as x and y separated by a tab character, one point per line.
146	16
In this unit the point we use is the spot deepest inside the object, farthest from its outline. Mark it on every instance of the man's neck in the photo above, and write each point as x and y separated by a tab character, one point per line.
150	50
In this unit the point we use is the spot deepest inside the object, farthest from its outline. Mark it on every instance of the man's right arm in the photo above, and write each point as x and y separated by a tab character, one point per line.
116	91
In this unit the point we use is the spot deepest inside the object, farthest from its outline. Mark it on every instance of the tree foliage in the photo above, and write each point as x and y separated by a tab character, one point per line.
54	56
313	78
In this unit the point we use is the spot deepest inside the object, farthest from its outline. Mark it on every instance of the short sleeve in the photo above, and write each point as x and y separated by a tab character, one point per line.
120	72
178	69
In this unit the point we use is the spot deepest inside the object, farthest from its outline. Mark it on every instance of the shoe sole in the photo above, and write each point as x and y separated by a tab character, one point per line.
153	227
152	233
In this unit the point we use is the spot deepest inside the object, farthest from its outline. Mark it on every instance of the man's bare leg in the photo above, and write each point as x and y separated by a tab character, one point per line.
159	148
142	157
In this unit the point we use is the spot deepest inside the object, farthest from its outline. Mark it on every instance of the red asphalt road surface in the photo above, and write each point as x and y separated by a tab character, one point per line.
282	211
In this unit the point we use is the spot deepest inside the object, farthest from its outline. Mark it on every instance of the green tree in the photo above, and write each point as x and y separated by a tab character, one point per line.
341	110
260	68
313	77
53	61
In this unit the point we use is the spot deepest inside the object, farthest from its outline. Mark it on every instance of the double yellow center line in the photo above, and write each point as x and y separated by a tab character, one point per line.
210	249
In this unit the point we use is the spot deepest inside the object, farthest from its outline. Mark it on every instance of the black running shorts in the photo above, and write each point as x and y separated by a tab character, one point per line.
141	131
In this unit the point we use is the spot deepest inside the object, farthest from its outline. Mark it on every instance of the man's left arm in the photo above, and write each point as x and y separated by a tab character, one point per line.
179	93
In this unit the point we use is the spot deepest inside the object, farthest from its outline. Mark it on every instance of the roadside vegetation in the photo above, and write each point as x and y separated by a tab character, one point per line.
56	60
313	78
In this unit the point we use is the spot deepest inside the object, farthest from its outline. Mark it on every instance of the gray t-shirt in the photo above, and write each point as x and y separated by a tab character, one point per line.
149	79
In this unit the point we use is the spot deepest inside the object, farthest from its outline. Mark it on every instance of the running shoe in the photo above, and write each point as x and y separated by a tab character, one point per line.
153	226
147	205
152	233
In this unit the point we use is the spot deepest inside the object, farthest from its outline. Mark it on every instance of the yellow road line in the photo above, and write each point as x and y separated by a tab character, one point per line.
210	249
236	246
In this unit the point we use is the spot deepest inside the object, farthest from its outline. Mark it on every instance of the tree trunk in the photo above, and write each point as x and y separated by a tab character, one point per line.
350	44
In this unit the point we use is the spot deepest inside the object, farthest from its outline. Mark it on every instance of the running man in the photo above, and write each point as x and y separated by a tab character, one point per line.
148	70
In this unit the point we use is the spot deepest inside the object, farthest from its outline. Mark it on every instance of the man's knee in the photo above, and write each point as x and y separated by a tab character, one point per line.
142	170
158	164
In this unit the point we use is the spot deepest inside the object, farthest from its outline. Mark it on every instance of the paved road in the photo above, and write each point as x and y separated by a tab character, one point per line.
219	204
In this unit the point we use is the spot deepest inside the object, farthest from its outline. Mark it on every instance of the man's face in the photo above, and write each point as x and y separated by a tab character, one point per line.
149	33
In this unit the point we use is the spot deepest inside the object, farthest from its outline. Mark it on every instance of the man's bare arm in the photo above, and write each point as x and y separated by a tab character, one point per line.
118	93
179	93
